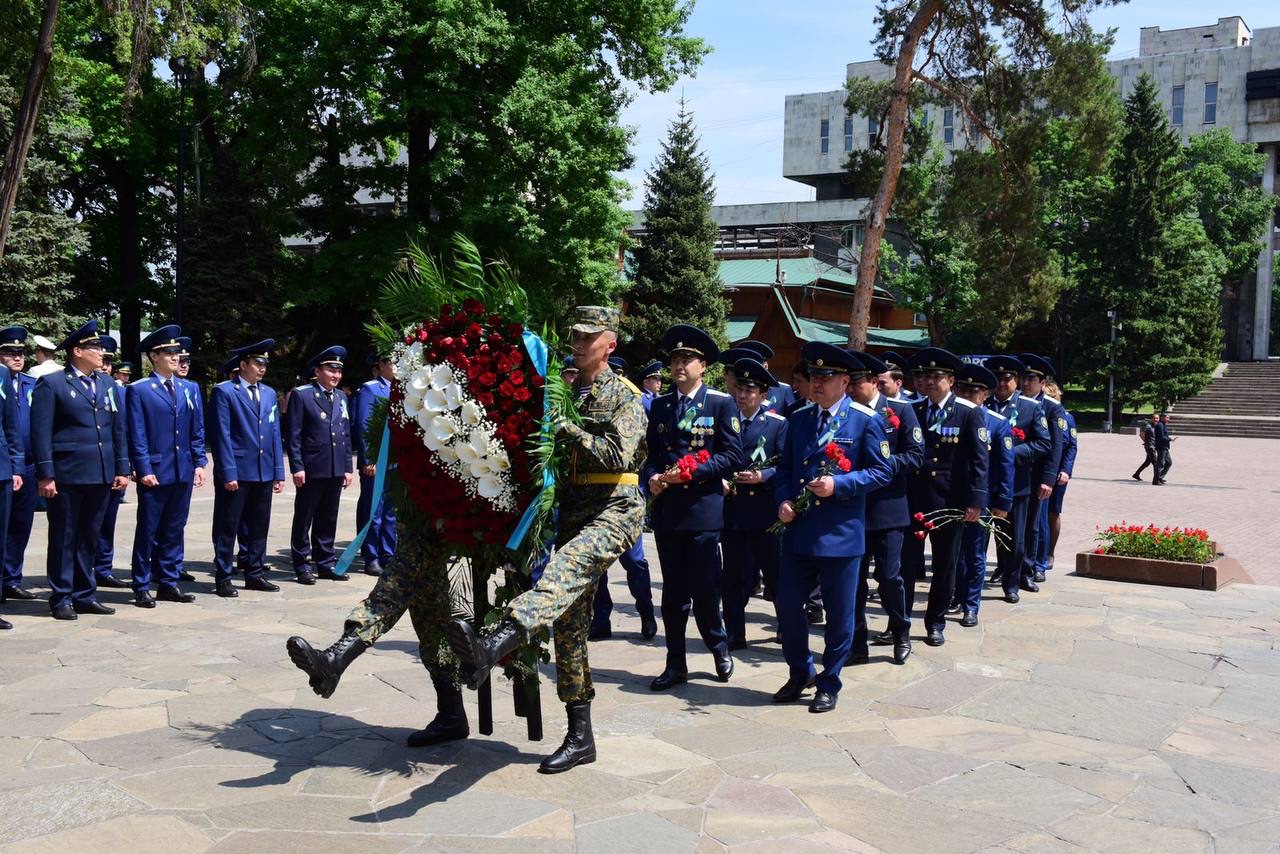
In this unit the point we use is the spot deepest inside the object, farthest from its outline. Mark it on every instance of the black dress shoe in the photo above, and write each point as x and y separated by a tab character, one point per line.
5	624
328	575
884	638
600	632
144	600
737	643
935	638
260	584
93	606
793	688
304	576
373	568
969	620
185	576
15	591
954	609
165	593
1039	576
648	627
902	651
724	663
112	582
822	702
227	590
1029	585
1011	596
1136	477
815	616
667	679
64	612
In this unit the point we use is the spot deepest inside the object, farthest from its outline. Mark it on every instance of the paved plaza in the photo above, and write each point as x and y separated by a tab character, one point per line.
1093	716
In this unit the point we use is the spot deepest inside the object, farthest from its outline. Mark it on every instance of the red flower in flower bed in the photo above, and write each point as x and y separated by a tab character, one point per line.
1162	543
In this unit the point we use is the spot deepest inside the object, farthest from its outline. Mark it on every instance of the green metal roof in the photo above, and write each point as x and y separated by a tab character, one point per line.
834	332
800	272
739	326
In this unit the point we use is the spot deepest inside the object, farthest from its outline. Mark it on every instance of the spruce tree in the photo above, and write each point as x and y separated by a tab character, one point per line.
676	278
1157	267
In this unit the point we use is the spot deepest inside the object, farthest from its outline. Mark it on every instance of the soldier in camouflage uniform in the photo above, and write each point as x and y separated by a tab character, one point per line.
600	517
416	579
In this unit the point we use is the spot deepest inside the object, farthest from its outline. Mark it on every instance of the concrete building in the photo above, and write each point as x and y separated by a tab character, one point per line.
1220	75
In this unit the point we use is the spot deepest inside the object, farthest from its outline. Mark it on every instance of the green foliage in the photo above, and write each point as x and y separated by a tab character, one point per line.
1232	205
1155	266
676	278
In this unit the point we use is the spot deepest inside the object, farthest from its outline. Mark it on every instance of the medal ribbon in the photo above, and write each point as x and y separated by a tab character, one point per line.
686	420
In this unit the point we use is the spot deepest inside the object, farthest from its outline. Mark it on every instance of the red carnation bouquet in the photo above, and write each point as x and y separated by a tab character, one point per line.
834	461
891	419
1019	434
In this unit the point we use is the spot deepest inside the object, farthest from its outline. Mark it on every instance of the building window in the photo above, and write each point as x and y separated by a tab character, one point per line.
848	133
948	126
873	126
920	319
1178	94
1210	103
853	236
824	135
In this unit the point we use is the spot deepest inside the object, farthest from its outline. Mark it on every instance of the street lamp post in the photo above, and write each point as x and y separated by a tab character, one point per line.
178	65
1111	372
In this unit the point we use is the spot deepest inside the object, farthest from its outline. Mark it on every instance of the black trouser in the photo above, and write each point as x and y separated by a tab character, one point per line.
1011	558
250	505
315	522
1153	459
886	548
946	551
1166	463
75	521
690	580
748	556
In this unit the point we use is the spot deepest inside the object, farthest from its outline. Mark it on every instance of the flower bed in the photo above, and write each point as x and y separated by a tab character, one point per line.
1149	554
1191	545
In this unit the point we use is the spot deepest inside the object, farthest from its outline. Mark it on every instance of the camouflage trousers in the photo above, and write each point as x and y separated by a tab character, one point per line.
590	539
416	579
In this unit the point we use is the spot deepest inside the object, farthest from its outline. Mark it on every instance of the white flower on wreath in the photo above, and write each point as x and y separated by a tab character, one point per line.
472	414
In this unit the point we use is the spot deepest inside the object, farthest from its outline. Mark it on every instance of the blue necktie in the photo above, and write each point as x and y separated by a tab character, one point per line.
173	395
822	423
89	388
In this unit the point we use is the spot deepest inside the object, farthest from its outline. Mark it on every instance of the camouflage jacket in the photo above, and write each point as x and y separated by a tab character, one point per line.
611	437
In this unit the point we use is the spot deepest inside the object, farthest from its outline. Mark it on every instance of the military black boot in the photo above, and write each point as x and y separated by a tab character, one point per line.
579	747
482	652
450	722
325	668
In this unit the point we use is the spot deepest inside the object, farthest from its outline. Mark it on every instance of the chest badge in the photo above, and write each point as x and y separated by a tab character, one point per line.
737	427
917	434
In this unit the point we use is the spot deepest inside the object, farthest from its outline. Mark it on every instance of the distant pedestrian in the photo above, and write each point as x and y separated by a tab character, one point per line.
1148	436
1164	457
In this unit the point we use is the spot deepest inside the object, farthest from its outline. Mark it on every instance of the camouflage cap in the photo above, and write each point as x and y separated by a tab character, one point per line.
595	318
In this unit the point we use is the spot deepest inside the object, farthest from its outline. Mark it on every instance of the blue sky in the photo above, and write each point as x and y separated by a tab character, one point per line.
766	51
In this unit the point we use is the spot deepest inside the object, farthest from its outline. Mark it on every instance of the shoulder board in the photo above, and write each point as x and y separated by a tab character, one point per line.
808	405
302	387
369	383
711	392
1053	400
771	414
863	408
995	414
968	404
225	384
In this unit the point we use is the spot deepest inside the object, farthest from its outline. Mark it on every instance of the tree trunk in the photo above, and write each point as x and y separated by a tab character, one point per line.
419	150
24	125
129	251
937	332
878	213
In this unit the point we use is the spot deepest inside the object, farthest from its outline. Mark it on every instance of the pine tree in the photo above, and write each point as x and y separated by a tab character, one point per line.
1158	268
676	277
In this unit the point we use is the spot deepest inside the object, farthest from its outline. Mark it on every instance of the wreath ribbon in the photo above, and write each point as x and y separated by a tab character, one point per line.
537	349
379	478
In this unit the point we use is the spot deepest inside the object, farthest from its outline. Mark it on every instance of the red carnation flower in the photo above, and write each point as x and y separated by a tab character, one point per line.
832	450
522	394
506	389
536	381
919	517
920	535
488	379
845	464
703	455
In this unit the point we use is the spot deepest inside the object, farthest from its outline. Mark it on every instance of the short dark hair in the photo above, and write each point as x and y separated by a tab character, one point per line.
801	369
896	374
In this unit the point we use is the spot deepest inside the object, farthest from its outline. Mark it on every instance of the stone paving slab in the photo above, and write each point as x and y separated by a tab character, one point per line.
1094	716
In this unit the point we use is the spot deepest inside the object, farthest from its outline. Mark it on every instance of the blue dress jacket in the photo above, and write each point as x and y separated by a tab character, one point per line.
835	526
711	424
887	506
22	392
1071	444
12	446
319	432
1027	415
954	473
76	439
367	396
166	434
1056	424
752	507
246	440
1000	481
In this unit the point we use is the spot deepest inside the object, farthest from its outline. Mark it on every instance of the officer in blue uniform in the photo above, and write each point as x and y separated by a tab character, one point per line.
898	370
248	467
751	552
1036	371
166	449
688	516
78	437
782	397
23	510
184	368
888	520
975	383
319	447
378	512
633	561
12	458
105	553
1044	560
650	383
1029	432
824	545
953	477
